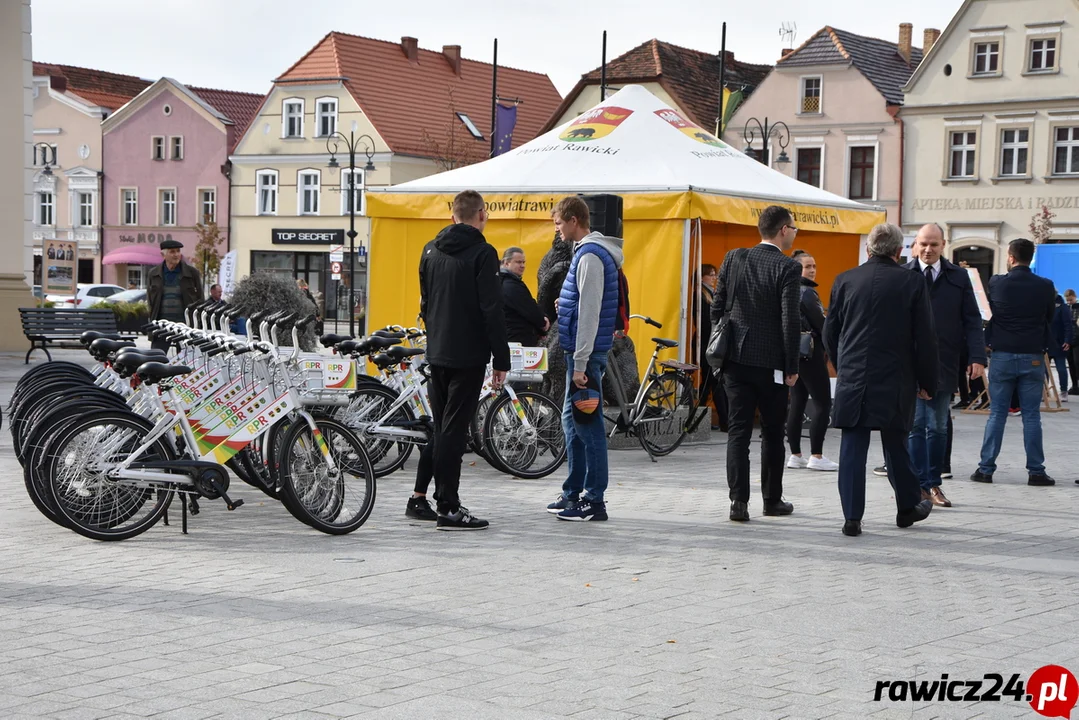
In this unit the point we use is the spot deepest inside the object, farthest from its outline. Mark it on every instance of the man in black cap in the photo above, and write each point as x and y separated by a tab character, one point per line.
172	286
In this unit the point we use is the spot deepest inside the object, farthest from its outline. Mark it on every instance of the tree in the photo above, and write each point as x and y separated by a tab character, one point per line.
1041	226
453	146
207	258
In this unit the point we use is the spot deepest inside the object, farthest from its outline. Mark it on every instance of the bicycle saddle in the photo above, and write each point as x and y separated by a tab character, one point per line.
376	342
400	353
128	362
152	372
665	342
383	361
329	340
90	335
388	334
104	346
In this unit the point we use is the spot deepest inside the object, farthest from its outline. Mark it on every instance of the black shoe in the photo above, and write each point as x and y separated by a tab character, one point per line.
419	508
852	528
780	507
979	476
1040	480
739	511
881	471
460	520
919	512
961	405
1073	390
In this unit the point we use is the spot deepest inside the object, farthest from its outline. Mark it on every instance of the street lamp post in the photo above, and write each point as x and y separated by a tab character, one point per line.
352	144
47	157
778	129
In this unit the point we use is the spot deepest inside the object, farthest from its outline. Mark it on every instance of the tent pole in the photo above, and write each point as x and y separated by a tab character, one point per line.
494	97
603	71
683	326
722	77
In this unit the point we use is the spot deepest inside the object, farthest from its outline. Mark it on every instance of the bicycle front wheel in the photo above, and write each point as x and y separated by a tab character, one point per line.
366	406
669	403
526	451
334	502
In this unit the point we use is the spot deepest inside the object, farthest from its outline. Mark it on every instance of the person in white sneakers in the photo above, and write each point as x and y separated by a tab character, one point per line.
813	380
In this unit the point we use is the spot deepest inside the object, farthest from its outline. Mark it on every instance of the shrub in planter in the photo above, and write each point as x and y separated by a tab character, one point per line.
130	316
267	291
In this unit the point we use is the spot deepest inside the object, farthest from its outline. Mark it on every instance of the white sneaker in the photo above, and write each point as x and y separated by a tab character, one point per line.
1063	397
822	463
797	462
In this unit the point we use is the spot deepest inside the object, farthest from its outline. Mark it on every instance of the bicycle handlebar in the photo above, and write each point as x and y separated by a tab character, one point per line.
648	320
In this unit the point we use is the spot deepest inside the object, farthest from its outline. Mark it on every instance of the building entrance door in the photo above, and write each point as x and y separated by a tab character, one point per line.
981	259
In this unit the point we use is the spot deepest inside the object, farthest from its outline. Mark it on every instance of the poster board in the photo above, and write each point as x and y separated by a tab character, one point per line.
60	258
980	294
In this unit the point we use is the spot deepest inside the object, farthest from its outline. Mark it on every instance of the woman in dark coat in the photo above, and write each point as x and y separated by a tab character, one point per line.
813	379
710	385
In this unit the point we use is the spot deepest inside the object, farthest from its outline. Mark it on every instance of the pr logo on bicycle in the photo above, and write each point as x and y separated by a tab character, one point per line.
1051	690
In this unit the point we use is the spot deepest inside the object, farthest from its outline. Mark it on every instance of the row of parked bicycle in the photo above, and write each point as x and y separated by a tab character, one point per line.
106	450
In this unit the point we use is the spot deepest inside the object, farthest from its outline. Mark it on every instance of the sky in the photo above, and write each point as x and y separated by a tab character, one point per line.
245	44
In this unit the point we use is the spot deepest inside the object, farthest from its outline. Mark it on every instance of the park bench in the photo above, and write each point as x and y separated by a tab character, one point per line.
62	327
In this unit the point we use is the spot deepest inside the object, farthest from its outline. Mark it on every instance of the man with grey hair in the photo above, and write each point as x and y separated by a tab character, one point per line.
525	322
881	337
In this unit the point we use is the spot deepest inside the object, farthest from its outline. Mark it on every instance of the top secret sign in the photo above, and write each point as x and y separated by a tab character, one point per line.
307	237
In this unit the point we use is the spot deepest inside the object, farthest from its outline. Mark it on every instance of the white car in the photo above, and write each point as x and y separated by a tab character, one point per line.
87	296
127	296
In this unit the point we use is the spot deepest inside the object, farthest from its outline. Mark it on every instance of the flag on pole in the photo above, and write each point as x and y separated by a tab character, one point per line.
505	120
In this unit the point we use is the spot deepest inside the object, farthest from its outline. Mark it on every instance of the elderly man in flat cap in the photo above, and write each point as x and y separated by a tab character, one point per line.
172	286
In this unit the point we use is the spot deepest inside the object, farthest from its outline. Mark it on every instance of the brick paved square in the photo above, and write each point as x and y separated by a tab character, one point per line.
667	610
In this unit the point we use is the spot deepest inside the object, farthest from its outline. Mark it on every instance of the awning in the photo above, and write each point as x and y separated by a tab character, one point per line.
133	255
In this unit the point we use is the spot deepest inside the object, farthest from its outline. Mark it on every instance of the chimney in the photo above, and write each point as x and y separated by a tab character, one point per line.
411	47
58	83
929	39
453	56
786	52
906	30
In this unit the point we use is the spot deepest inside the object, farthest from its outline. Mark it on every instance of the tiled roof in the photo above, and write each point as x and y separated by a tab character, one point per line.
690	76
879	60
106	89
239	107
411	104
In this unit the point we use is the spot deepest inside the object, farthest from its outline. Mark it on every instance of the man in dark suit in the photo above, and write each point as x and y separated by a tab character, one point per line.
765	322
880	335
1018	334
959	332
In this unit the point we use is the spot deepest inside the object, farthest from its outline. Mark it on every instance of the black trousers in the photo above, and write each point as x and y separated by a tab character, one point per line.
454	394
813	382
1073	364
712	387
749	389
854	449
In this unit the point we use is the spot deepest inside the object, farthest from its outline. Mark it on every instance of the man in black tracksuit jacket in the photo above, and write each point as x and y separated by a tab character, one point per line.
461	306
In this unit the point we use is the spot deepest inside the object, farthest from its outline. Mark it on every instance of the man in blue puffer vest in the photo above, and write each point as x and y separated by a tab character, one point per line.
587	310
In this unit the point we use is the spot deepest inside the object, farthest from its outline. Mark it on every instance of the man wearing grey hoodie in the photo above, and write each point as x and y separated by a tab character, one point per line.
587	311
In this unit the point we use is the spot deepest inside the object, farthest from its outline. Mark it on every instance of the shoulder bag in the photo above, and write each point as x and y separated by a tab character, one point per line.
719	344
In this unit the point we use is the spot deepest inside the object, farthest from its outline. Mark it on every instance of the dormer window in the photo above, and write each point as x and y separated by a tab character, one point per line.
470	126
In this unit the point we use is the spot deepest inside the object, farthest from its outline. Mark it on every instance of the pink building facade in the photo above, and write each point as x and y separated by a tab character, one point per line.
166	171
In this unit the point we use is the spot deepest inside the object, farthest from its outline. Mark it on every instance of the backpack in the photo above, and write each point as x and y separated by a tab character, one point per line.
621	322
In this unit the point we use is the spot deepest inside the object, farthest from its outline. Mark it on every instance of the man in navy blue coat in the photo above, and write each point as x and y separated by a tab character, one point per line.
959	327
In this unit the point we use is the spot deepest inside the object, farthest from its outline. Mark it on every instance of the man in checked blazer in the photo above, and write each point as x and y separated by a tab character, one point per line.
765	324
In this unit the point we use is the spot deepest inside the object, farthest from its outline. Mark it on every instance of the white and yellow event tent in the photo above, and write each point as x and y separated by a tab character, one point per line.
688	198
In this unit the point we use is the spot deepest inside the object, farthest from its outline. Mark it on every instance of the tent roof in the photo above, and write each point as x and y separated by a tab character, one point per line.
632	142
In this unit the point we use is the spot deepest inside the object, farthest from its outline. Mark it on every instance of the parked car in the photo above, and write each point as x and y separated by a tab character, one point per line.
128	296
87	296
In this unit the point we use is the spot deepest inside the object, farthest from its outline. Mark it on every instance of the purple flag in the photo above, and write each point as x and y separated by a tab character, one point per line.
505	120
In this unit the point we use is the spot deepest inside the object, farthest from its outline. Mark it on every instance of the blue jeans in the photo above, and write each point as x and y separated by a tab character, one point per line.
586	444
1009	371
929	438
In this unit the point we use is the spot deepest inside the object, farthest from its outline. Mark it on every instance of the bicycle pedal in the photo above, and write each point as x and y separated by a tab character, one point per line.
193	506
233	505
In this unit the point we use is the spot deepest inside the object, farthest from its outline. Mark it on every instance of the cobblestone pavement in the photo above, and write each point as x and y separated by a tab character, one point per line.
667	610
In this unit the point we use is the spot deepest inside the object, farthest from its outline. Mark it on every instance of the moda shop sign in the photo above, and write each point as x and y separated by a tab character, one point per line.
308	237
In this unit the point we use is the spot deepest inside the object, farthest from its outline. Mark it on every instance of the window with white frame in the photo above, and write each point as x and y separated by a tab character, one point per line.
129	198
307	187
207	205
811	95
863	170
134	276
327	116
1043	54
352	186
963	146
157	147
1014	150
176	145
1066	151
986	58
86	209
266	186
168	207
292	118
44	155
45	208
